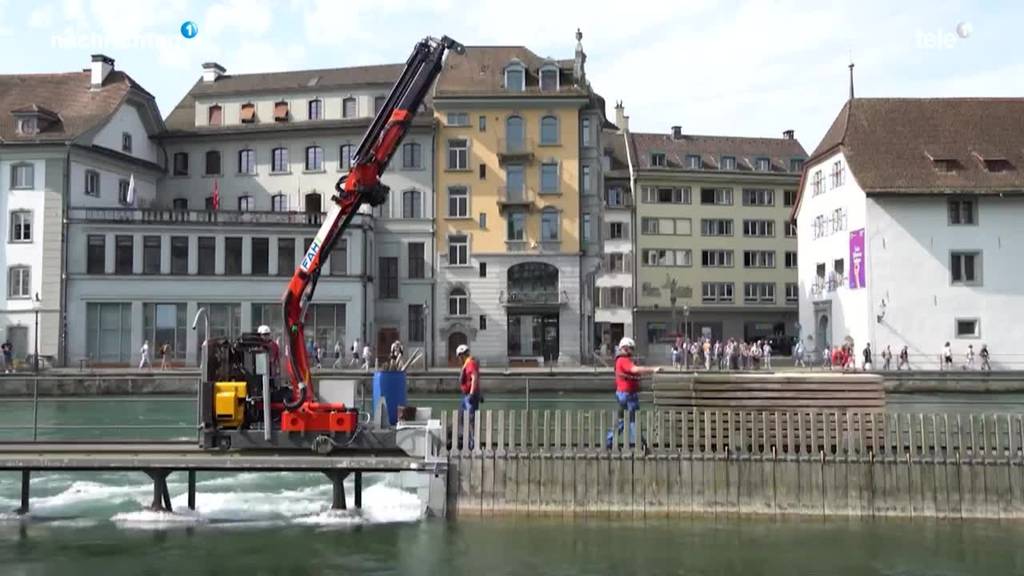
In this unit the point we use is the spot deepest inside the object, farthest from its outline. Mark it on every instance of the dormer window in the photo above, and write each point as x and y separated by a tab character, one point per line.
762	165
658	160
248	113
126	143
993	162
796	164
33	119
281	111
944	161
28	126
515	77
693	162
549	78
728	162
215	115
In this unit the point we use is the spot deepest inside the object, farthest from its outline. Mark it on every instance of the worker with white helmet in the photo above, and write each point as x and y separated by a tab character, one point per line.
272	348
627	387
469	384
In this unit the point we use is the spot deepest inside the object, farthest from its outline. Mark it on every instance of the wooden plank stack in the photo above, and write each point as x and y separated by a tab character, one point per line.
799	391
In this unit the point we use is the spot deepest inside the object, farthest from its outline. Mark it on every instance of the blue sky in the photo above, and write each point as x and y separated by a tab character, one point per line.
749	68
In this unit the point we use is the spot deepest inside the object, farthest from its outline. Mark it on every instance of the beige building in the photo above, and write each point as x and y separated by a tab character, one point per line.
716	253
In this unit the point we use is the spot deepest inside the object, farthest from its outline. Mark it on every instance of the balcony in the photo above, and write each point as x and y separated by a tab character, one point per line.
171	216
526	298
515	150
515	197
618	202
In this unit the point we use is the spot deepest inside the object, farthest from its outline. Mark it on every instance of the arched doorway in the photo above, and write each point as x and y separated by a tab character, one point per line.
455	339
822	330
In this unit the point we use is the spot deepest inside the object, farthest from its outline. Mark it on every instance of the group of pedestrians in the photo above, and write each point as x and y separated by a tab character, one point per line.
842	357
731	354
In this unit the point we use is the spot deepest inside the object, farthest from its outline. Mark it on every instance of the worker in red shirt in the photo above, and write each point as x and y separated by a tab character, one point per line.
627	387
469	384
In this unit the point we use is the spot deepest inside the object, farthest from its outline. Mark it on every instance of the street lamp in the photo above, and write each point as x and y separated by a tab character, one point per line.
206	335
686	319
428	335
35	356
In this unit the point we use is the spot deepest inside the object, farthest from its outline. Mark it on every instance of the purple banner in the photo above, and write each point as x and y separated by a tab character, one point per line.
857	262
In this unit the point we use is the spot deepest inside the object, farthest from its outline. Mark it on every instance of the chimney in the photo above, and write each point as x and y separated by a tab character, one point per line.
788	134
101	67
212	71
677	132
621	120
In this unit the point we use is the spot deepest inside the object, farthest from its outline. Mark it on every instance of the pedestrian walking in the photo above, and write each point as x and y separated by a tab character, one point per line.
338	357
970	357
676	364
366	357
397	351
165	352
887	358
826	358
144	355
766	354
469	385
318	353
947	357
627	389
798	354
8	356
867	357
355	353
904	359
985	366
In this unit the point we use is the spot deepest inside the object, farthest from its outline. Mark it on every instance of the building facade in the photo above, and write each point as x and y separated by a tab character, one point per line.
510	182
908	223
79	139
716	253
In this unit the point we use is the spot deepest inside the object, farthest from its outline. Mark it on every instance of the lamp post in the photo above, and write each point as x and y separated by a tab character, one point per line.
206	336
35	334
428	336
686	320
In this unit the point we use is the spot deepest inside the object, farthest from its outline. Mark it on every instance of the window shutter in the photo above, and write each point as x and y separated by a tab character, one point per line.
628	297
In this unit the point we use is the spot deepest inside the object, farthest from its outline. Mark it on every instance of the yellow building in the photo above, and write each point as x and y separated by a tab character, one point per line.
508	181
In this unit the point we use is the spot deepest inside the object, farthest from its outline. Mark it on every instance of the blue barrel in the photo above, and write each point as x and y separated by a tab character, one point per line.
391	387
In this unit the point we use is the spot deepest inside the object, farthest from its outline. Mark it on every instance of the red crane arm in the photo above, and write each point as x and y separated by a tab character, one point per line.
361	185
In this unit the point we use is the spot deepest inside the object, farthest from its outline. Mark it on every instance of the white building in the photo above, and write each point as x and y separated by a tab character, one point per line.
69	139
909	229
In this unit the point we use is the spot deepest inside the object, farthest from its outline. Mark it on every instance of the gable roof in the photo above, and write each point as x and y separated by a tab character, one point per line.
480	71
892	144
711	149
67	97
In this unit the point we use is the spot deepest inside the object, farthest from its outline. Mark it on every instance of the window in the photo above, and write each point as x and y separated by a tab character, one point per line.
792	292
616	262
412	204
387	283
817	183
28	126
788	197
667	257
109	332
758	259
585	137
417	323
483	322
316	109
715	227
549	130
458	119
233	256
122	192
549	226
516	227
693	162
279	160
548	79
458	202
96	254
549	178
207	255
314	159
587	187
515	78
658	160
21	226
791	261
124	248
212	163
458	250
23	176
345	157
759	228
483	220
483	171
838	174
653	195
126	143
586	228
758	292
720	292
246	203
92	183
417	262
180	164
279	203
286	257
412	155
728	162
260	254
150	254
616	230
378	103
968	328
482	123
762	165
247	113
348	107
483	269
961	211
339	257
179	255
796	164
458	302
790	229
616	297
281	111
758	197
716	258
19	282
965	267
247	161
458	154
716	196
166	324
180	203
839	269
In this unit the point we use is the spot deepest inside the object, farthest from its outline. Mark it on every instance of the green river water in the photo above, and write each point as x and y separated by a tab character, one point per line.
248	523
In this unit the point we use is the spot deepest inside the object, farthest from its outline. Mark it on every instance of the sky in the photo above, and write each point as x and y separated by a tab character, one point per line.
739	68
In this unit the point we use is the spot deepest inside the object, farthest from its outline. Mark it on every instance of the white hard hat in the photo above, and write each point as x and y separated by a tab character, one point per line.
263	330
627	342
462	349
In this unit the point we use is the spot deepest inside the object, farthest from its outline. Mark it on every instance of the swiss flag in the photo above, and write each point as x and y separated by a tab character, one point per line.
216	195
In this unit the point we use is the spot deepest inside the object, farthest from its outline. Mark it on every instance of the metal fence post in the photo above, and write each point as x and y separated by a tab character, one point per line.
35	408
527	393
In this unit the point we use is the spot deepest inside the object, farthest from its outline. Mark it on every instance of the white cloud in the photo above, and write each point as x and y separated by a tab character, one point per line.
41	17
246	17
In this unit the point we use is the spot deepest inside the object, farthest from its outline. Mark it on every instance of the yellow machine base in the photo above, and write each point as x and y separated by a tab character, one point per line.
229	403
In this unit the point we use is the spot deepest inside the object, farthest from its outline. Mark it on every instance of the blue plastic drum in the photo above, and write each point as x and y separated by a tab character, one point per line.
391	387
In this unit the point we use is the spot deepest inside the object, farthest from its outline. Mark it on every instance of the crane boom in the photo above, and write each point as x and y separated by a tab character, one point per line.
361	185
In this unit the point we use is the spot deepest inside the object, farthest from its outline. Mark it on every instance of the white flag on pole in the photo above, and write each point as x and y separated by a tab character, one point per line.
130	196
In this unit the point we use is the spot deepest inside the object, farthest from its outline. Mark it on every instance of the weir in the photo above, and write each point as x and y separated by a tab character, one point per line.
863	464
